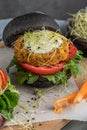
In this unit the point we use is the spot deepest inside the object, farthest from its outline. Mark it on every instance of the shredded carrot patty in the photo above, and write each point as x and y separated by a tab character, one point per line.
41	48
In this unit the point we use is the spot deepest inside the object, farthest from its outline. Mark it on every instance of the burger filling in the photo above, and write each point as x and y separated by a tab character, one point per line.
41	48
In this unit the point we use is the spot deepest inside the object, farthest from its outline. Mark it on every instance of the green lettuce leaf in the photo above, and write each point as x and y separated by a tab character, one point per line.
23	76
57	78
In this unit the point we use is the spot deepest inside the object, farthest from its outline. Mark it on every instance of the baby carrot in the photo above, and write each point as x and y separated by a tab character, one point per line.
81	93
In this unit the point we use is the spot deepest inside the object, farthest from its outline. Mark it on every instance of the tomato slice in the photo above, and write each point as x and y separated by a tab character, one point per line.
3	78
43	70
1	82
72	51
50	70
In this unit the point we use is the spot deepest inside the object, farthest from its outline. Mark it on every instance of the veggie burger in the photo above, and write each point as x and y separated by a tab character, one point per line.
8	98
46	54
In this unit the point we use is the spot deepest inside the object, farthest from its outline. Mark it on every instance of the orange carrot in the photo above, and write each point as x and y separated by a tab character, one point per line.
59	110
61	104
76	97
71	97
81	93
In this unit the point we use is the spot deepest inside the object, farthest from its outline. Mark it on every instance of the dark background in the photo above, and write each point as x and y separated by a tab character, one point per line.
58	9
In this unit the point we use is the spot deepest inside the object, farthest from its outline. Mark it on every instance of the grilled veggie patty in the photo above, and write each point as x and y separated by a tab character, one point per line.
41	48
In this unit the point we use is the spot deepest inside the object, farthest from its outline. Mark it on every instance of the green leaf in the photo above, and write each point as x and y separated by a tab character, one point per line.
12	98
7	113
32	78
61	77
74	68
26	76
78	57
57	78
2	104
22	76
12	63
79	70
15	63
10	86
8	102
50	78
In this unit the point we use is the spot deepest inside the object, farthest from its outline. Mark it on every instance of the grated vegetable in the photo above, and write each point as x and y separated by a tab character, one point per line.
79	24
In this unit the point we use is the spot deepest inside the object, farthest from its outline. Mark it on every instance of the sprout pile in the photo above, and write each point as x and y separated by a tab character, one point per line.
78	24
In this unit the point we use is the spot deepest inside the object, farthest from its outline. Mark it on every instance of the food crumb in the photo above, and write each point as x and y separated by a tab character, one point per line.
28	120
32	98
33	118
28	101
17	112
40	124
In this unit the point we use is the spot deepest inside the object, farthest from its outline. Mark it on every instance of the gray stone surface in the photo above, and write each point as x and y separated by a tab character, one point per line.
56	8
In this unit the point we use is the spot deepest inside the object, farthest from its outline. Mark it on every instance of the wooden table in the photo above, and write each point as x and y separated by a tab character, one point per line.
56	124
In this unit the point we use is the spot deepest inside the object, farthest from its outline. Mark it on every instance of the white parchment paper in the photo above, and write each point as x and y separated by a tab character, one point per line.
43	111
